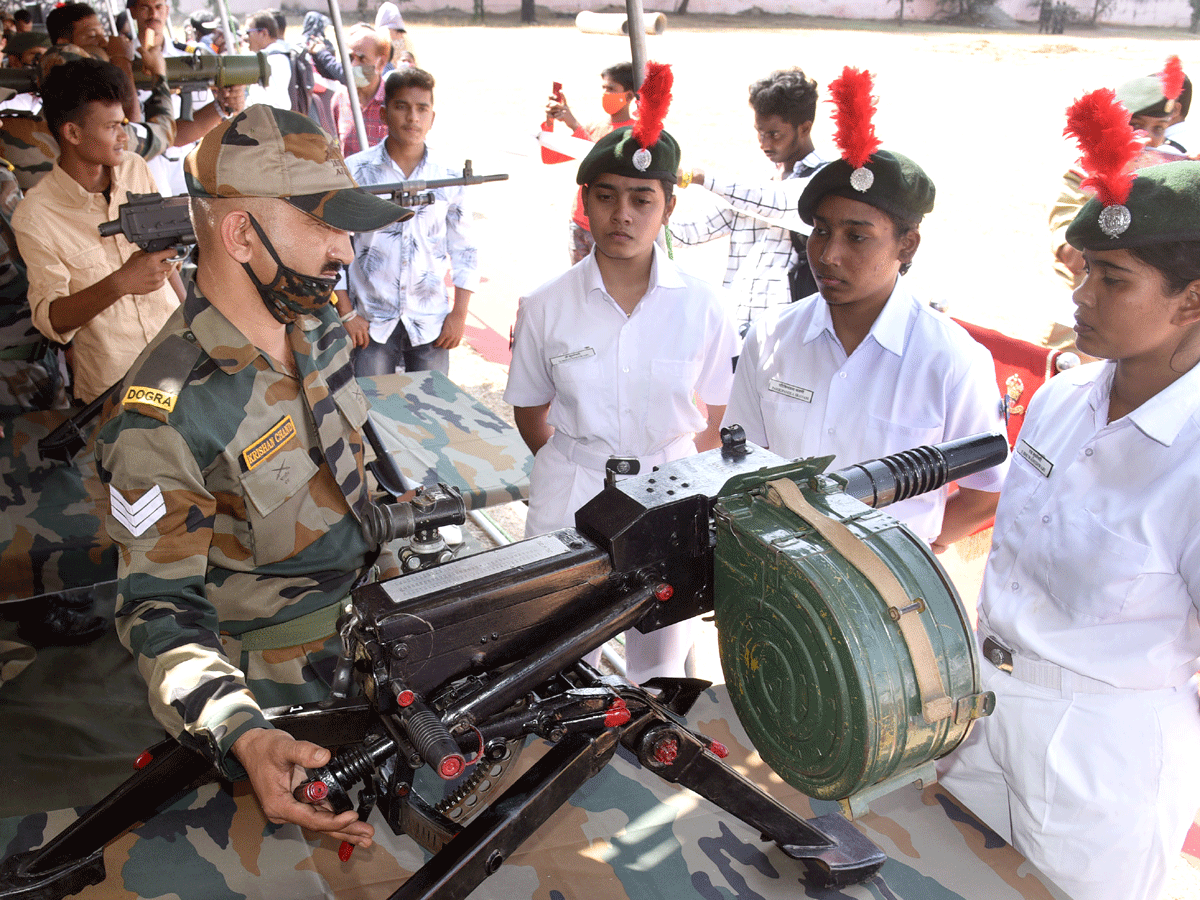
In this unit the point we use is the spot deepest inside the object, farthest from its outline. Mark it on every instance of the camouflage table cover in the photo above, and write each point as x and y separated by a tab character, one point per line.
624	834
50	534
436	432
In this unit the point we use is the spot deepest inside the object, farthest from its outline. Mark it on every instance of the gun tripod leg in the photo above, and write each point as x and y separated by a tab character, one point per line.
480	848
74	858
832	850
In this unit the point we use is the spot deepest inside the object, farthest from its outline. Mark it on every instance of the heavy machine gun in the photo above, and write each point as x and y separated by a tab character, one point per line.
154	222
459	664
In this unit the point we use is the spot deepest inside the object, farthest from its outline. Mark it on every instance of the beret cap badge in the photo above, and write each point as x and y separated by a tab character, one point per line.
641	159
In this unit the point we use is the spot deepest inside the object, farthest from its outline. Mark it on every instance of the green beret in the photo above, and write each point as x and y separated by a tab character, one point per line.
1144	97
900	187
22	41
1164	206
617	153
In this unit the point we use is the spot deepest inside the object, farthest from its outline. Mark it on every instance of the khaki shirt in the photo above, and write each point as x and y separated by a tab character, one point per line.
56	228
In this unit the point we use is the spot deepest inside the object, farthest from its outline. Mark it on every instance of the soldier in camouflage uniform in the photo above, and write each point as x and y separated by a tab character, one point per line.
28	145
235	465
29	377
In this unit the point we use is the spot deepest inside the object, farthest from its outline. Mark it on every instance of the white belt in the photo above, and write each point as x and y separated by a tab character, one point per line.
583	455
1045	674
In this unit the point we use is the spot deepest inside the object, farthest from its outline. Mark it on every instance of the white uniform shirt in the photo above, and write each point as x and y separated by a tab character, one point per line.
1095	564
617	385
916	378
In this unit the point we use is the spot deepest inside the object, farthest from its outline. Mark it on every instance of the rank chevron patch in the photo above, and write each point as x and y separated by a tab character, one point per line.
142	513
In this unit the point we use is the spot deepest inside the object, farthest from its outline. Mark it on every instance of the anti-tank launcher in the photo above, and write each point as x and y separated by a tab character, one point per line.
862	662
187	72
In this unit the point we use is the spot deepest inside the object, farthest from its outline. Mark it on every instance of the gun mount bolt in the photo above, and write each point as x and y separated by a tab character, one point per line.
451	767
313	792
405	698
617	713
557	733
403	790
400	651
144	759
412	563
665	750
494	862
719	750
664	592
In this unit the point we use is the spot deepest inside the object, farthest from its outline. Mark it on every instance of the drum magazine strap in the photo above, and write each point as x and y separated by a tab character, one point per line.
935	705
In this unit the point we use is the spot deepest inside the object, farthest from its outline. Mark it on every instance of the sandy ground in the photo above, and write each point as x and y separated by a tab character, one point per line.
981	111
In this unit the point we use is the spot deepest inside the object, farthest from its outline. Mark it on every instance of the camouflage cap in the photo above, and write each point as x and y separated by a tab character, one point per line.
277	153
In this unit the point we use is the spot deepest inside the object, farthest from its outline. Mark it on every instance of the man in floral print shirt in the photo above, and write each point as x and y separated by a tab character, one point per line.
397	309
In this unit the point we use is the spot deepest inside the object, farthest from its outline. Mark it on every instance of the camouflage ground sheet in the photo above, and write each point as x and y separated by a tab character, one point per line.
50	534
447	436
625	834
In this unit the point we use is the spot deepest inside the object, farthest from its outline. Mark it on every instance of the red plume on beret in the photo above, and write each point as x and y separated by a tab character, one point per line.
1100	125
853	109
654	99
1172	78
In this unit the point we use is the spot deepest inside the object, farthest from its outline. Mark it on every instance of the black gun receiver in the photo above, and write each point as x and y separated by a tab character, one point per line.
462	663
153	222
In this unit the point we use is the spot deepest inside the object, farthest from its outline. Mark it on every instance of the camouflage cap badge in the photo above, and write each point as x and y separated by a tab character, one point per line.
277	153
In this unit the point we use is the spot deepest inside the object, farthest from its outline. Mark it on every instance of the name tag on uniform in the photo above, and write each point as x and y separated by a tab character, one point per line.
262	449
574	354
1035	459
790	390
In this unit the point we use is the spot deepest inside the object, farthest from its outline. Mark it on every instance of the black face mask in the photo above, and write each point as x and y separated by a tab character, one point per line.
290	294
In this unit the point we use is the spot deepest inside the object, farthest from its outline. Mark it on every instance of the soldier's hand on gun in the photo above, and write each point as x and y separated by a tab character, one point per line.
275	762
144	273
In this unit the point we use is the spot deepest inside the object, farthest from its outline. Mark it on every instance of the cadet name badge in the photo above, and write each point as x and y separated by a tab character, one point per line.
574	354
150	397
262	449
1035	459
790	390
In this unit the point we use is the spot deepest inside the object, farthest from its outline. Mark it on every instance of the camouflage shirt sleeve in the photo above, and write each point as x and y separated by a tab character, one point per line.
161	516
154	135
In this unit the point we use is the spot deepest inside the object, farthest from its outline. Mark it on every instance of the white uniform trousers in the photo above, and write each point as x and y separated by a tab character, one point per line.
1096	790
560	487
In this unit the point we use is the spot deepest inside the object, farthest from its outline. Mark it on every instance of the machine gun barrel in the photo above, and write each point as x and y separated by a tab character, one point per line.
193	70
891	479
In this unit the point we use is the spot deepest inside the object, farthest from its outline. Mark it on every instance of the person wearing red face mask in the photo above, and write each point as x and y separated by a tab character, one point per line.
617	100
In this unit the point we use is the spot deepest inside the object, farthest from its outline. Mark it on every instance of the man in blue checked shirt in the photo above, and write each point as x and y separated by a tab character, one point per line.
397	310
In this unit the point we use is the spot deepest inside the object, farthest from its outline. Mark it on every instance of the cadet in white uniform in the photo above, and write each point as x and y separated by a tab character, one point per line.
609	358
1089	618
862	368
